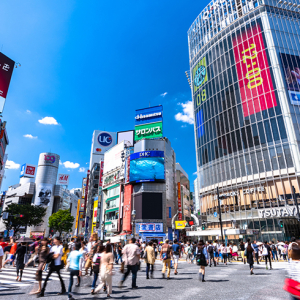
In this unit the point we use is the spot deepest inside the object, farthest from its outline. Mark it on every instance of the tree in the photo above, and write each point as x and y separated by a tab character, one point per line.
32	215
61	221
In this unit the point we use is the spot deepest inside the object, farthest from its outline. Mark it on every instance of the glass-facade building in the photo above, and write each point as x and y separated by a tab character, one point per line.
245	72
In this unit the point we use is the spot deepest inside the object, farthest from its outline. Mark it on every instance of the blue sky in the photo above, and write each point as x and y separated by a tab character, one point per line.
88	65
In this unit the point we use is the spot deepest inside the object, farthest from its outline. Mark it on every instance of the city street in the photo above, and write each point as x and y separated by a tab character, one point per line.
222	282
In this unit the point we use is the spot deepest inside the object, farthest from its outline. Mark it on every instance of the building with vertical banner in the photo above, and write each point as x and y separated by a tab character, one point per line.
244	65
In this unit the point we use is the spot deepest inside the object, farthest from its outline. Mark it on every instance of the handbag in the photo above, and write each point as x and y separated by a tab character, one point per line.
145	254
68	266
265	251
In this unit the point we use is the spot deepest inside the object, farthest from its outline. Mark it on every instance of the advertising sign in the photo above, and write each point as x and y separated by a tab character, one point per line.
199	74
180	224
63	179
43	194
150	227
147	166
6	70
111	178
148	115
113	158
128	188
255	81
126	136
101	175
103	141
291	66
49	159
77	214
148	131
179	201
27	170
83	187
95	211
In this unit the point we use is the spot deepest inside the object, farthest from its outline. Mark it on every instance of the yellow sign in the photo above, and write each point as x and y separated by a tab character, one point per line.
180	224
95	212
77	215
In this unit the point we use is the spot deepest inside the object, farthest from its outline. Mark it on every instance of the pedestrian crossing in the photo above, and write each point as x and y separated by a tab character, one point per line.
8	277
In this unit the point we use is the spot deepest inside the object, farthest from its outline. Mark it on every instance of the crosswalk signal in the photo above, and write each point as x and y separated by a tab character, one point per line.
203	226
280	223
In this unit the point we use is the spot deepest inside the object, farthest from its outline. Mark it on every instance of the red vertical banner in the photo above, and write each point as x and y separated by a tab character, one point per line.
255	81
128	189
179	201
101	174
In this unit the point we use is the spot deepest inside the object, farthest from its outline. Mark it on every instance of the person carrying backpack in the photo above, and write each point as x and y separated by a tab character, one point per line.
165	256
267	254
201	259
274	251
210	250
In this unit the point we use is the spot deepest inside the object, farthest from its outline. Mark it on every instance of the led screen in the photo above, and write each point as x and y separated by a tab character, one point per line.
147	166
256	86
291	66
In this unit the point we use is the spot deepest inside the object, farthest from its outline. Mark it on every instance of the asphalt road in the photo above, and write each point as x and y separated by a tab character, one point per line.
222	282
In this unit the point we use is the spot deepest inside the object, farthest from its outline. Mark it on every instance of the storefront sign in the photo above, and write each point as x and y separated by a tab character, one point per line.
77	214
27	170
110	179
101	175
180	224
127	207
150	227
148	131
259	189
63	179
179	201
287	211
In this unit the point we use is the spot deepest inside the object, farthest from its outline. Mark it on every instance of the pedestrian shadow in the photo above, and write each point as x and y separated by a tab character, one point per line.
215	280
185	278
4	294
122	297
150	287
264	274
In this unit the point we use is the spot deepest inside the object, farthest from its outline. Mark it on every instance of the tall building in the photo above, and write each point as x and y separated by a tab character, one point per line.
244	63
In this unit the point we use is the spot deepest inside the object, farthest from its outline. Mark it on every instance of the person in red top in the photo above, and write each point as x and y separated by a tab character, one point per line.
13	249
2	246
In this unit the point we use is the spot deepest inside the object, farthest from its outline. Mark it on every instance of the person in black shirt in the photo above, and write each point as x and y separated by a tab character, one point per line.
267	252
242	247
20	253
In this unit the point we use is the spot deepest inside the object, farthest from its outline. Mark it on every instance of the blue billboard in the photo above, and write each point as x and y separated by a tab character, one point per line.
148	115
147	166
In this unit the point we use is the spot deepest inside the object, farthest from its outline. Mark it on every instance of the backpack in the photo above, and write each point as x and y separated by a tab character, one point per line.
96	264
210	249
273	247
200	258
190	250
165	254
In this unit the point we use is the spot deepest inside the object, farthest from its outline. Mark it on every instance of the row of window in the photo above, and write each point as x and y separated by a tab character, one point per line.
266	160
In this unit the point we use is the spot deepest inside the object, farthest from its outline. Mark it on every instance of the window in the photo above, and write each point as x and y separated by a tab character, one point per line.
288	156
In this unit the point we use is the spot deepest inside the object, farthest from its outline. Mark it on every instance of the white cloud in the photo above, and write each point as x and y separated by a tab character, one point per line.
11	165
195	173
60	162
30	136
82	169
187	115
28	111
164	94
70	165
48	121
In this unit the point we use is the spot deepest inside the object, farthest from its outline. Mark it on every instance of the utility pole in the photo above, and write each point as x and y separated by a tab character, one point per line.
296	203
220	215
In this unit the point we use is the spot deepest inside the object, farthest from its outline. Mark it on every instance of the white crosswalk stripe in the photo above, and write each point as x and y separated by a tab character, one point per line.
8	277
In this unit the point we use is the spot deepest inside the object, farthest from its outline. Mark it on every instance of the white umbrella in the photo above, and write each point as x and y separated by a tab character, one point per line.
281	243
259	243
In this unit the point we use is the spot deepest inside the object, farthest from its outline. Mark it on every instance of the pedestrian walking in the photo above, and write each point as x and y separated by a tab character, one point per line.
249	255
119	252
267	253
106	267
176	255
71	244
75	268
242	249
255	248
131	256
274	251
235	251
216	251
55	266
96	265
43	251
224	253
149	257
66	251
201	258
12	252
20	255
83	250
210	250
165	256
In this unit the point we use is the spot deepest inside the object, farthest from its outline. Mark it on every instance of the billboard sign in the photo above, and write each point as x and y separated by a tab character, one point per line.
255	81
103	141
199	74
101	174
27	170
113	158
77	214
148	131
148	115
83	187
126	136
180	224
147	166
179	201
95	212
291	66
63	179
150	227
6	70
43	194
49	158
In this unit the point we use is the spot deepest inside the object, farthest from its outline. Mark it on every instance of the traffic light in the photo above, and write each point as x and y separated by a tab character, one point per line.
203	226
21	216
280	223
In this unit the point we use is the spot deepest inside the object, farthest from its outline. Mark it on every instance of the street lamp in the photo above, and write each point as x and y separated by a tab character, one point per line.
133	214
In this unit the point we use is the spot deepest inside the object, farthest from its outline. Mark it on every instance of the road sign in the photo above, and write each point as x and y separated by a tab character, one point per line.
215	214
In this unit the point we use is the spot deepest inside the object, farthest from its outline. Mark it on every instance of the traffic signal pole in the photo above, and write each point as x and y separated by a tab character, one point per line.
220	215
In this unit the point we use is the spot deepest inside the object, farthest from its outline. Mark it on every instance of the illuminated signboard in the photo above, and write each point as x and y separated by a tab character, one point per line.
148	115
148	131
255	82
179	201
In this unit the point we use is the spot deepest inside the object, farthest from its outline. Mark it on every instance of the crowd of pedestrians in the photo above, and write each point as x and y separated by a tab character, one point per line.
96	259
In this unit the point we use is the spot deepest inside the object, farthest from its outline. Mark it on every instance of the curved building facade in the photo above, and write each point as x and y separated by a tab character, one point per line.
245	68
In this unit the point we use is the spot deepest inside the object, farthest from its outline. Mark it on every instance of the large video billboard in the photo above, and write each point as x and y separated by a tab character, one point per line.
6	70
291	66
255	81
147	166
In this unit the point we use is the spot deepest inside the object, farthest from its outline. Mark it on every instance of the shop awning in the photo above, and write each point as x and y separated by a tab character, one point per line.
111	210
